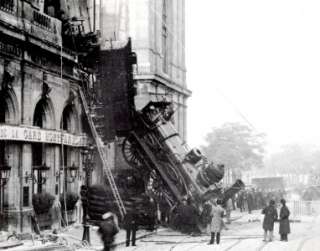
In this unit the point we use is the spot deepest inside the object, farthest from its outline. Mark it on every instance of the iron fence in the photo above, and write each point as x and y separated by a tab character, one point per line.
303	208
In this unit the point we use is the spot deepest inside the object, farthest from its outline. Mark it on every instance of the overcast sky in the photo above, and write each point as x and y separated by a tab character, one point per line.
261	58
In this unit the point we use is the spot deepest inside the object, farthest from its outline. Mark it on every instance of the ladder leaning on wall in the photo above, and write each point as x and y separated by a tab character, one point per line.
106	169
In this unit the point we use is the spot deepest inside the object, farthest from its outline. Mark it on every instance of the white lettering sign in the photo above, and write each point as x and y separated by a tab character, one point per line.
33	134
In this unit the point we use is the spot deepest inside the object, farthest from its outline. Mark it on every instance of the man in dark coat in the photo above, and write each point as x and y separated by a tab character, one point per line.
164	211
187	217
130	224
108	229
284	227
240	201
250	201
270	216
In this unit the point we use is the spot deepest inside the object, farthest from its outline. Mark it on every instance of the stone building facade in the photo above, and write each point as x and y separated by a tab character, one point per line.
43	129
41	125
157	31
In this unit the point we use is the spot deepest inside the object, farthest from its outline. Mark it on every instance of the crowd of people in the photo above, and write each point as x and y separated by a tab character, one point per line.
185	217
254	199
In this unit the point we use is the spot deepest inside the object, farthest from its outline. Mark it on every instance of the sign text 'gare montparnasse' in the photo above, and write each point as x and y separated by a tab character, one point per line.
30	134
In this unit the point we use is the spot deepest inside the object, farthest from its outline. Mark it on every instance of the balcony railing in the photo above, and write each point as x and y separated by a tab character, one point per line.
23	15
7	5
41	25
42	20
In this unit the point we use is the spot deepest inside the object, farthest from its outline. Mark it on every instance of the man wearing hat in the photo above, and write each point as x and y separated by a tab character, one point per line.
270	216
108	229
130	224
284	226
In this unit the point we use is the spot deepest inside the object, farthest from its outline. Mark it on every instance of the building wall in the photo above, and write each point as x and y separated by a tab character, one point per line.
31	64
142	21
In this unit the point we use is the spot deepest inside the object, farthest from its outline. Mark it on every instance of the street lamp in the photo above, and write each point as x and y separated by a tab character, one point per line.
72	172
88	164
41	177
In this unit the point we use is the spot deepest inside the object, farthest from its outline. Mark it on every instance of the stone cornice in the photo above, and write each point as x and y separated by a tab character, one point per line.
163	81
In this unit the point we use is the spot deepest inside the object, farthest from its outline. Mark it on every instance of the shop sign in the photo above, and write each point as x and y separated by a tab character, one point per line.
34	134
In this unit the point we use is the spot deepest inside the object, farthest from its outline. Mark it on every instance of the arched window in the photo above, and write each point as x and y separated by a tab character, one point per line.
8	115
43	118
69	156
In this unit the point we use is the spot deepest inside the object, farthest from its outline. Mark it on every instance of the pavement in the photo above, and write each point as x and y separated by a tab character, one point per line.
73	235
244	233
68	239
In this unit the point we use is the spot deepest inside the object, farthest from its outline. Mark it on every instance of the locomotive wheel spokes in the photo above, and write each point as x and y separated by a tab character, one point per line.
130	150
159	189
156	183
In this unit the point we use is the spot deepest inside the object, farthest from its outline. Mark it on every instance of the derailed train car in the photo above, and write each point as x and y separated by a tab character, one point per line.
152	147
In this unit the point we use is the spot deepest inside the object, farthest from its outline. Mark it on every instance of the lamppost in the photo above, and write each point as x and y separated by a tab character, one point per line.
4	177
70	175
41	177
88	164
72	172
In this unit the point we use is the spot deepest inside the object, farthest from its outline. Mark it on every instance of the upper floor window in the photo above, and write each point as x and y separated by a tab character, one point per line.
52	8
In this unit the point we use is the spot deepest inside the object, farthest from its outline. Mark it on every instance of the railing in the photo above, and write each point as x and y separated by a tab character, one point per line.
24	15
303	208
7	5
42	20
41	25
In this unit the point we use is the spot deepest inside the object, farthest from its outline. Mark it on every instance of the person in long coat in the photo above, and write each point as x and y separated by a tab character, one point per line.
217	224
284	226
108	228
187	217
130	224
270	216
250	201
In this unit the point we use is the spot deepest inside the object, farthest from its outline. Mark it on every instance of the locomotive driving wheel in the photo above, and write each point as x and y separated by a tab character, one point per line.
159	188
131	153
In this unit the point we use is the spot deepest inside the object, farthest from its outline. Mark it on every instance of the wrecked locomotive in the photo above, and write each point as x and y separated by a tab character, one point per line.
170	170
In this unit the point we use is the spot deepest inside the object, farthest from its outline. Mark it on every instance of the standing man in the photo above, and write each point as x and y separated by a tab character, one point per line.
284	227
164	211
152	214
270	216
250	201
130	223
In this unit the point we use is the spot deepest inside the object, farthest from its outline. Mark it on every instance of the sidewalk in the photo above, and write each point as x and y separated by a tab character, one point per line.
71	237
